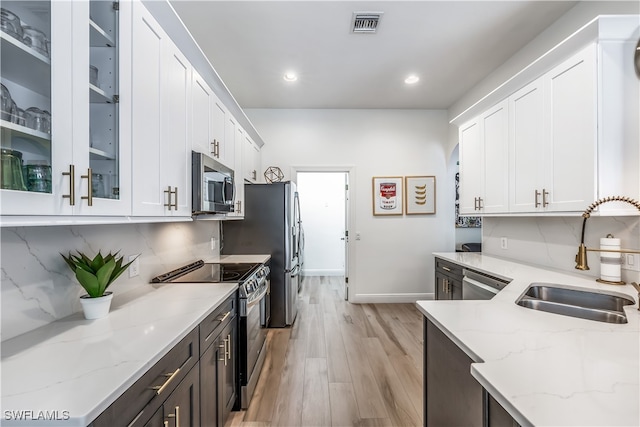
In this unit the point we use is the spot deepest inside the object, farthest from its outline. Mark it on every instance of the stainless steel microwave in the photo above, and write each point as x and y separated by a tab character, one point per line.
212	185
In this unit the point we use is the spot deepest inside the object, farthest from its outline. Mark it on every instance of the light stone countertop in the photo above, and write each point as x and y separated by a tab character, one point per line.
73	369
545	369
261	259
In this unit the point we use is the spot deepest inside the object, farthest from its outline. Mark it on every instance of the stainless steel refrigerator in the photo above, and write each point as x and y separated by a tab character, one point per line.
272	226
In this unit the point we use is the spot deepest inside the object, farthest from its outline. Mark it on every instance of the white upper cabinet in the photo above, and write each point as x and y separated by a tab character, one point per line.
101	107
59	123
553	138
202	135
161	93
210	119
471	167
236	133
251	160
527	149
573	131
570	107
496	161
484	163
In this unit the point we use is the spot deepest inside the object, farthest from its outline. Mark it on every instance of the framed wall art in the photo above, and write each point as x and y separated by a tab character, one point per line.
420	195
387	195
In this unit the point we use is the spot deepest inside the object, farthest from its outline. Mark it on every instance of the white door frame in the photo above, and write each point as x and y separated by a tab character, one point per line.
350	170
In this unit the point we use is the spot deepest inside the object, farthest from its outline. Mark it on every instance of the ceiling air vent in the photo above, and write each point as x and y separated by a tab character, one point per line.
365	22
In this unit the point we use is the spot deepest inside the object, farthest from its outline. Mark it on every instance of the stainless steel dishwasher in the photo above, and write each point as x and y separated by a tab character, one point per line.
480	286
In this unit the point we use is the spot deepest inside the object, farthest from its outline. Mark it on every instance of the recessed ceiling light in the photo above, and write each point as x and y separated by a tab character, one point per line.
412	79
290	77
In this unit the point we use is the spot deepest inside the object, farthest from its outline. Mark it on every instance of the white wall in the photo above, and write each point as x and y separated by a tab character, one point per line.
322	209
392	261
38	288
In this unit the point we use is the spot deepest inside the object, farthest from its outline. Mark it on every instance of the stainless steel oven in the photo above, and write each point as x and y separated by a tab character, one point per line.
253	335
253	293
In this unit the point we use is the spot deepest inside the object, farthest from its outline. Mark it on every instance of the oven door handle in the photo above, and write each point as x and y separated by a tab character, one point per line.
475	283
259	298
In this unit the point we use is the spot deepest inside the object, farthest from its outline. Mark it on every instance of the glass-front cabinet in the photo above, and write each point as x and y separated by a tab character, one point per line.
63	149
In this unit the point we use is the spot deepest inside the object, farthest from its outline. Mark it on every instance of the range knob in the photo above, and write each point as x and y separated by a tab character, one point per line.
250	285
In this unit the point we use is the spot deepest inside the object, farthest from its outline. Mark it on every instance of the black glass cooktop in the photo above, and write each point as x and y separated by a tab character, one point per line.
201	272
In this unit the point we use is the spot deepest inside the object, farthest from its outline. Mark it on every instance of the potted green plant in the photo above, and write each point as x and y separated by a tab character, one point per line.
95	275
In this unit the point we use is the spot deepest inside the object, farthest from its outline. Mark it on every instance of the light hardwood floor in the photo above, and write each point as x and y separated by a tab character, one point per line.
340	364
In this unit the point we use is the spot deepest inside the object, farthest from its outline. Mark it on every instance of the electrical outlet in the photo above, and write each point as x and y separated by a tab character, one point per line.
631	262
134	268
357	235
504	243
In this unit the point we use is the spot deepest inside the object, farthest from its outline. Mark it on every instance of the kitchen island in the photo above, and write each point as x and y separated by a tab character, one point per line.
544	368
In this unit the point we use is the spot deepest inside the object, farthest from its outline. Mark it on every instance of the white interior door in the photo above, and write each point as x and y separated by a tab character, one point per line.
322	206
346	234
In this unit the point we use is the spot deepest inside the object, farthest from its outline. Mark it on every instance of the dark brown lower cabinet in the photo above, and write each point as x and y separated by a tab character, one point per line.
218	385
452	397
193	385
146	396
182	407
448	277
497	416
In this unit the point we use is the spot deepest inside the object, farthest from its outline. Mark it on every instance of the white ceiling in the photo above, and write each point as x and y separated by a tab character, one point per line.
450	45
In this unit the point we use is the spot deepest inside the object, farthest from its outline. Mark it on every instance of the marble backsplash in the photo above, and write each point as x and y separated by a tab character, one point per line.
553	241
37	287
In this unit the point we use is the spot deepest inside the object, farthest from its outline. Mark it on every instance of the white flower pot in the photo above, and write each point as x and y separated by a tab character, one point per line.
96	308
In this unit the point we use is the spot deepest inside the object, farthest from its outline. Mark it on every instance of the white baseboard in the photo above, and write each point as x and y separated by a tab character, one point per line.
389	298
320	272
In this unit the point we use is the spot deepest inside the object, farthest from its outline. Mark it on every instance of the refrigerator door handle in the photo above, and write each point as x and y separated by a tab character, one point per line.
295	271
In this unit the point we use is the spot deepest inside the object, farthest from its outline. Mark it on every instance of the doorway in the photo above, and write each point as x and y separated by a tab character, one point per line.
324	205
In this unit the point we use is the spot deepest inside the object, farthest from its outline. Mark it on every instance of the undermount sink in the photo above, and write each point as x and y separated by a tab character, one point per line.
602	307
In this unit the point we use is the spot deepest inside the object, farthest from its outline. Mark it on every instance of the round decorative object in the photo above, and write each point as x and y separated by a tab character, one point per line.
273	174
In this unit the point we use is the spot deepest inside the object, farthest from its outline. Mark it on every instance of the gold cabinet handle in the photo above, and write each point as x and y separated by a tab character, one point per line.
475	203
176	415
160	388
239	206
166	423
168	192
536	195
229	349
72	185
479	203
223	318
215	148
223	347
545	193
446	268
89	196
